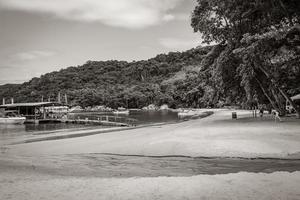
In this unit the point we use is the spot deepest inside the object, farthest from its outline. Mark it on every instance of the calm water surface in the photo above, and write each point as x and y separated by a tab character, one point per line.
10	131
142	117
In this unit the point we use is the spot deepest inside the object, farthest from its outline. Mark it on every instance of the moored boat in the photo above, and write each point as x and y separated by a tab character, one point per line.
12	120
10	117
121	112
187	113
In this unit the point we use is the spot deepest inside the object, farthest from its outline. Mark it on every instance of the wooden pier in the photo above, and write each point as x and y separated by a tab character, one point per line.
106	120
55	112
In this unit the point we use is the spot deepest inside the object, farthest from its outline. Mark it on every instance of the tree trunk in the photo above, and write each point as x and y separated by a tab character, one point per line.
290	101
267	95
284	94
281	105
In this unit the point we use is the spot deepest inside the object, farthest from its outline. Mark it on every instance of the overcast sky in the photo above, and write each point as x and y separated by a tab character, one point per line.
40	36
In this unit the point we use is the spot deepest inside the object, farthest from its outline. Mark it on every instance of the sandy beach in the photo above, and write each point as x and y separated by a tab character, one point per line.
279	185
214	136
163	162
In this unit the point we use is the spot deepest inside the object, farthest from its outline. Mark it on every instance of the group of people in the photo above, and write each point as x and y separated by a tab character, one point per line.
274	113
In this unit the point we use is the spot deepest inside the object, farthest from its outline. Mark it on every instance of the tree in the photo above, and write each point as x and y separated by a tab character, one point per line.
274	60
247	33
219	20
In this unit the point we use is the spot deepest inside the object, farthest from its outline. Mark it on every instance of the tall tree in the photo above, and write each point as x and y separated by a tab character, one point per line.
256	24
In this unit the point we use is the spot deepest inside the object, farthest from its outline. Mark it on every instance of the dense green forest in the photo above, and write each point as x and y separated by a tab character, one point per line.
255	59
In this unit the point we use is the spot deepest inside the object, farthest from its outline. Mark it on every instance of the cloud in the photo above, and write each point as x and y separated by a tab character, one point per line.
180	43
119	13
32	55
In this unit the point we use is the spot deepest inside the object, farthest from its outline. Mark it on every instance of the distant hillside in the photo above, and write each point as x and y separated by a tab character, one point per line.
166	78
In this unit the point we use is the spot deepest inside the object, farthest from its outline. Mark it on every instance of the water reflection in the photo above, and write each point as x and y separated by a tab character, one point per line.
11	131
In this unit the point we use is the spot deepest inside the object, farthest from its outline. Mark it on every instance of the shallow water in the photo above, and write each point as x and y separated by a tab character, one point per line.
14	131
11	131
142	117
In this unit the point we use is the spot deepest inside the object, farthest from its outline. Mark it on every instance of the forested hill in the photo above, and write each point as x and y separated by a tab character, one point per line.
166	78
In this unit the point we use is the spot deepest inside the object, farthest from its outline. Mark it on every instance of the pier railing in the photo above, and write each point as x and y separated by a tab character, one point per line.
104	118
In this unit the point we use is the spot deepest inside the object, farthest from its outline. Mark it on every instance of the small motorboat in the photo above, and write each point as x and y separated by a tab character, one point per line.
121	112
12	118
186	113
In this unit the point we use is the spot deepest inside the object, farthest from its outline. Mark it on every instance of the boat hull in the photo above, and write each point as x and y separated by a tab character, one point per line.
12	120
125	112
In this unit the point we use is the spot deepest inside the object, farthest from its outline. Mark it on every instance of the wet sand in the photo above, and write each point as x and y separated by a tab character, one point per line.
125	166
242	185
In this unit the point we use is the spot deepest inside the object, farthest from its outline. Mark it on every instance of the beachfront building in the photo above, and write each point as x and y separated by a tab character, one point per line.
38	111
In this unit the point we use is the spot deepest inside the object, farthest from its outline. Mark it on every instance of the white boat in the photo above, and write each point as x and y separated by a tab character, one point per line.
12	120
186	113
121	112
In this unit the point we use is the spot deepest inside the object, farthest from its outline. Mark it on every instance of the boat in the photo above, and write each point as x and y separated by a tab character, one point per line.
12	120
121	112
186	113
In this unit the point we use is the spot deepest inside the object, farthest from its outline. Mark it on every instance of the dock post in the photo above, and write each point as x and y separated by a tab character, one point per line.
44	112
66	99
58	98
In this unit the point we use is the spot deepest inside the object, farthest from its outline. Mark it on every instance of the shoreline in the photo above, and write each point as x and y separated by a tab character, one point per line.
94	131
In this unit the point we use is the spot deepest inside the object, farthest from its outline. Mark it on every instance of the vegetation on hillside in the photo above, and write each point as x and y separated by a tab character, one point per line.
166	78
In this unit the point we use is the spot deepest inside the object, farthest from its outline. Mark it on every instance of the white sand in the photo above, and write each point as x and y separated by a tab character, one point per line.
214	136
239	186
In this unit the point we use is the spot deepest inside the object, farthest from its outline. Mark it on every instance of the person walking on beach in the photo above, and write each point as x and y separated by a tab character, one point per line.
261	112
276	116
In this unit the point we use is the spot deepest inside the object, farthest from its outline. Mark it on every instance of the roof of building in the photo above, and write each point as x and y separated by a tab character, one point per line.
34	104
296	97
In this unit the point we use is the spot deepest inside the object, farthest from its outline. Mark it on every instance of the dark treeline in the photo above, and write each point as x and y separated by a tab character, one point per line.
255	60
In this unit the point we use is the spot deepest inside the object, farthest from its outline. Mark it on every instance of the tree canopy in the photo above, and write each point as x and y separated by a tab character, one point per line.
229	20
258	48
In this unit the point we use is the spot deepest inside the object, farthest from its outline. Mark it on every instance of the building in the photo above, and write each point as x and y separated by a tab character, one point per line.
37	111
